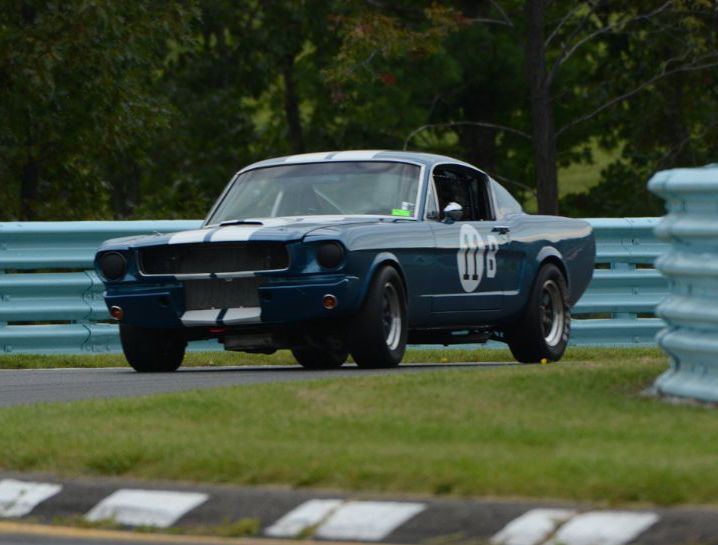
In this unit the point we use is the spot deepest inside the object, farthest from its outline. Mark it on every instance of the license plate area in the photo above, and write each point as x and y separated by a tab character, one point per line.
219	293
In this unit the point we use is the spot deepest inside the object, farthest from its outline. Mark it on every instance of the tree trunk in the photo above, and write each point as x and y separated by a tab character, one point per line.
291	107
125	179
543	130
29	189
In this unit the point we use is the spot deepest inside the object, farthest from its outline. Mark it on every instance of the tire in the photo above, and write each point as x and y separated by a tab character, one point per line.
315	358
543	330
152	350
379	331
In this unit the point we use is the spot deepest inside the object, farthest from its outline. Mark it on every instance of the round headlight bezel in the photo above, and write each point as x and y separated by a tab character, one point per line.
114	270
330	254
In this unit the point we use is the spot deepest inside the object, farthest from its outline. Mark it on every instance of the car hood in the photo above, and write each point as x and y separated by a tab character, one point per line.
273	229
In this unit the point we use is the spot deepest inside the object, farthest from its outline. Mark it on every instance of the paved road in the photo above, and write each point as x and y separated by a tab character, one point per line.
18	387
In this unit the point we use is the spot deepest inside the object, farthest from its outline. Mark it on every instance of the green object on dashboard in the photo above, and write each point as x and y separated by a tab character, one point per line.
400	212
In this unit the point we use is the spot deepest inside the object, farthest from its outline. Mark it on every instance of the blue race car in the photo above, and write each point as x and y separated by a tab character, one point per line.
353	252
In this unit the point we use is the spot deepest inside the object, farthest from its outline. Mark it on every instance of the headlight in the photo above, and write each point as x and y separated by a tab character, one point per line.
330	254
113	265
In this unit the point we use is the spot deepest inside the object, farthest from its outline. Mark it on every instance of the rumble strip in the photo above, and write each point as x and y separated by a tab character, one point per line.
289	514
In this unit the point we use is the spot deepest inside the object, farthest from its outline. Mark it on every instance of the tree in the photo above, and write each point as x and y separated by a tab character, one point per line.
75	98
248	87
565	45
672	122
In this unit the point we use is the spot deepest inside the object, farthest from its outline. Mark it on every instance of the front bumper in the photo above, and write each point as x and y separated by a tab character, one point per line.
282	301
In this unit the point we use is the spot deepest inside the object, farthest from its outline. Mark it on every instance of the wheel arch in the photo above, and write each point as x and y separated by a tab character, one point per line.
549	254
380	260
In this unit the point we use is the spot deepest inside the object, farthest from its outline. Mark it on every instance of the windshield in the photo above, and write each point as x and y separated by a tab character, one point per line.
341	188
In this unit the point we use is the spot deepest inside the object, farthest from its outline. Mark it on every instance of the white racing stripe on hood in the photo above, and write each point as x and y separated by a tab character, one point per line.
188	237
241	233
235	233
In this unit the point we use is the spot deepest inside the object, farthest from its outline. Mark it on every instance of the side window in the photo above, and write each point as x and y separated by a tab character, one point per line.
505	203
467	188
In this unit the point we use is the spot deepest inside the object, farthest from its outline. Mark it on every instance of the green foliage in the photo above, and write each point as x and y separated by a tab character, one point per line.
146	108
76	99
671	122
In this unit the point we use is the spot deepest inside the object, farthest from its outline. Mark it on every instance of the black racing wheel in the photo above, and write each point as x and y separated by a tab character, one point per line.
150	350
315	358
543	330
378	333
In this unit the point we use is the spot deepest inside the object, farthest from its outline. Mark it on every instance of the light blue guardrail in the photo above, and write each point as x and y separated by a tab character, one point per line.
51	302
691	265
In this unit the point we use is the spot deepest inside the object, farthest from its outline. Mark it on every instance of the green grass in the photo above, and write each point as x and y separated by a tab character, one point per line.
284	357
577	430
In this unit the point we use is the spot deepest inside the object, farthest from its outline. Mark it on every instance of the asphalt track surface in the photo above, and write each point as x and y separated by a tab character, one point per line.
21	387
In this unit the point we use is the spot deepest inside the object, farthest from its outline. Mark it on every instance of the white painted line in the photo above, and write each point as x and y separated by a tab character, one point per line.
18	498
604	528
145	507
533	527
367	520
188	237
308	514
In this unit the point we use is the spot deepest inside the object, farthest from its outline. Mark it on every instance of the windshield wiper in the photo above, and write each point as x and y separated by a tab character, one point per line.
240	222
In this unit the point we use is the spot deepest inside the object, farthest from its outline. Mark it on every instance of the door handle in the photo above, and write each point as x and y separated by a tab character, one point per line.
501	229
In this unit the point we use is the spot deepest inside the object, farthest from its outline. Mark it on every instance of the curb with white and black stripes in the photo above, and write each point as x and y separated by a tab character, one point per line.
341	517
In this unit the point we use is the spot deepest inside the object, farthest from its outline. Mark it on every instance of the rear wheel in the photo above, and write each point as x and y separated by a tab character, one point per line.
543	331
149	350
379	332
315	358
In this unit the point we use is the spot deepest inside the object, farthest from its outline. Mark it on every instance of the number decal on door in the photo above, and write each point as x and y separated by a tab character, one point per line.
475	257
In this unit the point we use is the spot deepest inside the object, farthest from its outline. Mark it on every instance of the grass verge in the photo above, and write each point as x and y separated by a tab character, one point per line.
284	357
577	430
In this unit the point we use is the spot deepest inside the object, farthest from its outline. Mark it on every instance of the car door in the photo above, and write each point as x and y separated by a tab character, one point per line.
470	252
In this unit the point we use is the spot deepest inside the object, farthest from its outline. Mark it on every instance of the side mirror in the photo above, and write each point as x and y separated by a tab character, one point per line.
453	211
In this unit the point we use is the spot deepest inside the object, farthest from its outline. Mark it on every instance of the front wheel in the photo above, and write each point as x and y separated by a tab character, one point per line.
543	331
149	350
314	358
379	332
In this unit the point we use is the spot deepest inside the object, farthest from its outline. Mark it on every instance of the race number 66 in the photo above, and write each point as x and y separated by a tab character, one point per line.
475	257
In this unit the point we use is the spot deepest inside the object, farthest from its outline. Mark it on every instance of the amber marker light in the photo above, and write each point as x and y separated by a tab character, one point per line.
329	302
117	313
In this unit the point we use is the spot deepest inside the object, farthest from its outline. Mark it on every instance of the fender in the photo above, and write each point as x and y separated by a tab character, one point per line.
379	260
549	253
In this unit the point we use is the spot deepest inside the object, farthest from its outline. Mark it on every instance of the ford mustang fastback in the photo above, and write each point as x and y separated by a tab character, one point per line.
353	252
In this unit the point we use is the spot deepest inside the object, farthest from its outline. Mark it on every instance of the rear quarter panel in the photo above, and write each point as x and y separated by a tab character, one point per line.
567	241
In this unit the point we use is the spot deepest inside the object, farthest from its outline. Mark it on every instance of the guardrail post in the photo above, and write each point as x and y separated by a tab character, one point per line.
691	265
3	348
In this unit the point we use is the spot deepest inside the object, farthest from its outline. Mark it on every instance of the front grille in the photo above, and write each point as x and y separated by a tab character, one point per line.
213	257
221	293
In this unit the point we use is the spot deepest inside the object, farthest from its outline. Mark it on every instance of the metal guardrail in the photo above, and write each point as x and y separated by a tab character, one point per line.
691	265
50	302
625	289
